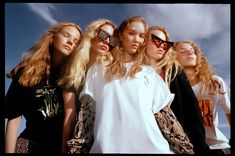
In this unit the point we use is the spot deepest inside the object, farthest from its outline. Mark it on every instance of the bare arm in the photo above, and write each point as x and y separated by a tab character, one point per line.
228	118
12	134
69	118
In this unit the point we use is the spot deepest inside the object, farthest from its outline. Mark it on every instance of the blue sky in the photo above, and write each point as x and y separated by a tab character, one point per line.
206	24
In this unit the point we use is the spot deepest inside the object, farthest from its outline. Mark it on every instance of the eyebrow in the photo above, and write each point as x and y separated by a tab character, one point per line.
70	34
135	31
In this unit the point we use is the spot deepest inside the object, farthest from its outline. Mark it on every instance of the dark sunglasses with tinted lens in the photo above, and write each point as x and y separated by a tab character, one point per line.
157	41
103	35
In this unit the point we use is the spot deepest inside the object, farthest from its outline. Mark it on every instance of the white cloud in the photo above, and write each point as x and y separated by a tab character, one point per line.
206	24
194	21
43	10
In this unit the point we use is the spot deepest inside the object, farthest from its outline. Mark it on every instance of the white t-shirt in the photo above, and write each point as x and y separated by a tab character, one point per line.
214	137
125	109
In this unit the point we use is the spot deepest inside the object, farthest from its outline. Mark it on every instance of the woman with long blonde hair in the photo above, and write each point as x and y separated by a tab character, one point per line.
36	94
159	54
124	95
210	90
95	48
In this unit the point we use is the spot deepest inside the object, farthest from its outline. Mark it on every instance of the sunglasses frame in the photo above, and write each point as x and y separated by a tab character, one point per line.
103	35
167	43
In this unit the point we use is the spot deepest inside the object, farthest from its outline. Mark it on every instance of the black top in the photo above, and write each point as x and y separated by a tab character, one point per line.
186	108
42	107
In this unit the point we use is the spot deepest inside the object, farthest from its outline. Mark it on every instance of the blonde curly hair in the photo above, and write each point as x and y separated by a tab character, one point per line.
203	70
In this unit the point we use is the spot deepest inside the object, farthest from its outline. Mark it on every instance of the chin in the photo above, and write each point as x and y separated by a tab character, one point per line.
101	52
66	53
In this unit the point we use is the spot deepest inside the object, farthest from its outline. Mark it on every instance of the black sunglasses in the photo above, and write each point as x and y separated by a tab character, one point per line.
157	41
103	35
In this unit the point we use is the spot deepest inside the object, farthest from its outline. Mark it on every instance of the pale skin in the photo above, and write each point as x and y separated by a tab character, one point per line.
154	53
69	118
187	58
132	38
64	43
12	128
98	46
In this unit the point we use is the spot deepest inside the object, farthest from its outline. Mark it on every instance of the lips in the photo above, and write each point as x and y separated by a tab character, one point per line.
104	48
160	52
134	46
190	58
67	47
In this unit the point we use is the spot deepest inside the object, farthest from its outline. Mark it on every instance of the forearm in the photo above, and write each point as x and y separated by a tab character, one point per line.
69	118
12	134
69	123
228	118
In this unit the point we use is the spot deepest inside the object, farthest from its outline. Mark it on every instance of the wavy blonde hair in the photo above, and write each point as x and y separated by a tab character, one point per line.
78	65
117	68
36	63
203	69
168	60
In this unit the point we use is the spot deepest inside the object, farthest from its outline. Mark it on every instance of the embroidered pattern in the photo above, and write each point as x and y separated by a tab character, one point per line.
24	145
173	132
84	130
21	145
51	106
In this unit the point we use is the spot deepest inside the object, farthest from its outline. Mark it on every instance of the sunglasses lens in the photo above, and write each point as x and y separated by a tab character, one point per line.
102	35
113	41
168	45
158	42
165	46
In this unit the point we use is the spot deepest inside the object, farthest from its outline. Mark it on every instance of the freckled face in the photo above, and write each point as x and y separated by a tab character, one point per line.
66	40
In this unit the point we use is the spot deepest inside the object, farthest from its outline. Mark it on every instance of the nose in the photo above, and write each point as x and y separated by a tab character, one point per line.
161	45
137	38
69	41
107	40
189	52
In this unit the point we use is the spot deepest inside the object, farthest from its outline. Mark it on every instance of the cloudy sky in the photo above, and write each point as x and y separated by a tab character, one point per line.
206	24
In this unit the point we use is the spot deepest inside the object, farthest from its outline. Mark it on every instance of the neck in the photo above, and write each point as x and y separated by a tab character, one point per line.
57	59
152	62
92	58
128	57
193	79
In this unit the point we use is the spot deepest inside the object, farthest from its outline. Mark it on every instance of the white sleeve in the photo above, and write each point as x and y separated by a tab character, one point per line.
162	94
224	99
89	85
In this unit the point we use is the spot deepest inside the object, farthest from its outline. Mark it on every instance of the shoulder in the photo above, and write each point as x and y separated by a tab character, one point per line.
148	69
219	79
94	68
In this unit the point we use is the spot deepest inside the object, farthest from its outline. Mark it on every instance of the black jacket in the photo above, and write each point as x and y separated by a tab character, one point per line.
186	109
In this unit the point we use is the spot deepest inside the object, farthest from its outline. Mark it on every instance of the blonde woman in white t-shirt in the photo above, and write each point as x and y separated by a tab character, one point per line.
97	40
127	95
211	91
